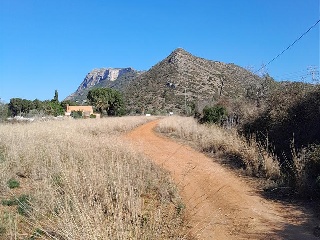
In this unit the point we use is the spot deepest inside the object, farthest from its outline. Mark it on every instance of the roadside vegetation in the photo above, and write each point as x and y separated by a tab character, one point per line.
280	141
224	143
289	127
75	179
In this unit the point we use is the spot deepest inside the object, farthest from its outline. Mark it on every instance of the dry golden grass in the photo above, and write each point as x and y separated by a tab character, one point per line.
82	182
224	142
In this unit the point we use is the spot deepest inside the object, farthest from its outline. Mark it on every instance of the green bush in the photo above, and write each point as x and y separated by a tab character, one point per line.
10	202
37	234
313	169
13	183
213	114
2	154
3	111
76	114
22	202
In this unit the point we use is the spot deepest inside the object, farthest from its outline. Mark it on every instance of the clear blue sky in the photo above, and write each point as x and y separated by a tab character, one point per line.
53	44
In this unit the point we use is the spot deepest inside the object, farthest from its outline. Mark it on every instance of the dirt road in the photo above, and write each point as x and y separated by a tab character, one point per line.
219	204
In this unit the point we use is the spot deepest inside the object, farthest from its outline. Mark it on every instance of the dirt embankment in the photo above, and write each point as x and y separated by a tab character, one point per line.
220	204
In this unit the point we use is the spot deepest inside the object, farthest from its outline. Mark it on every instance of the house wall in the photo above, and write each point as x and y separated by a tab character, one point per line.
85	109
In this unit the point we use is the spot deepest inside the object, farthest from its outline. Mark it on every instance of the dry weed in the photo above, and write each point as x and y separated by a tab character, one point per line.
224	142
82	182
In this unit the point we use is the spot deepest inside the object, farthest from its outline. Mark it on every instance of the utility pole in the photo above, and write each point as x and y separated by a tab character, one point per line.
314	72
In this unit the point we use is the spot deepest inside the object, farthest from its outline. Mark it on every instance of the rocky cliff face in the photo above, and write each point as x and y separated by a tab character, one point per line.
102	74
102	77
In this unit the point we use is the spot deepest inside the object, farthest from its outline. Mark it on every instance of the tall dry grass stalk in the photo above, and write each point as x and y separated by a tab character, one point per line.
82	182
225	142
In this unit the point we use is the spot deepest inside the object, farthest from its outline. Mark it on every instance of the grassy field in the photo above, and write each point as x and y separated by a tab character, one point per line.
76	179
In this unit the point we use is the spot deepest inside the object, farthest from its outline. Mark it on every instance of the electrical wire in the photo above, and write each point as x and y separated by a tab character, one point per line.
289	46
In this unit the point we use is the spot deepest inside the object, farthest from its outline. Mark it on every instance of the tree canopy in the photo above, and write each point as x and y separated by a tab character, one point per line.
56	96
107	99
3	110
18	106
23	107
213	114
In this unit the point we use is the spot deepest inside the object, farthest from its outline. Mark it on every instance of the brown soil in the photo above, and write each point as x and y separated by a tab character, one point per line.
219	203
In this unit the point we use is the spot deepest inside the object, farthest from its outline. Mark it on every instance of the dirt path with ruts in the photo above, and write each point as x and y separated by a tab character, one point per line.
219	204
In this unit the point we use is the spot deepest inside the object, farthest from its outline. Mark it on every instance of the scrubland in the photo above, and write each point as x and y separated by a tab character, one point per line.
226	144
296	177
76	179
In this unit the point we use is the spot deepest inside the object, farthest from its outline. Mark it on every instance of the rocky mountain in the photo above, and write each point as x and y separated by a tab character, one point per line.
103	77
181	82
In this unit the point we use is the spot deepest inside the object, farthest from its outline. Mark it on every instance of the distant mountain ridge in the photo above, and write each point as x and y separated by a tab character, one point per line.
179	84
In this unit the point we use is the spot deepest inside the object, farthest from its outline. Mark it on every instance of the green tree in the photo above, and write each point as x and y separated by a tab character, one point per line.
56	96
3	110
38	105
68	102
18	106
213	114
76	114
52	108
107	99
15	106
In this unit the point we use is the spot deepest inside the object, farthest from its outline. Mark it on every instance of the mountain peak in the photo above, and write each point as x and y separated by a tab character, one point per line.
179	49
182	78
180	52
178	56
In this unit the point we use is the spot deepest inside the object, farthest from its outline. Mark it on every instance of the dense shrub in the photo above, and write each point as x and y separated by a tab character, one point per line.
213	114
13	183
76	114
313	169
107	100
290	129
3	111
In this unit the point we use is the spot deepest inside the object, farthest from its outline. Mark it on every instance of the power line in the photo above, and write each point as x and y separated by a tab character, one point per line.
289	46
